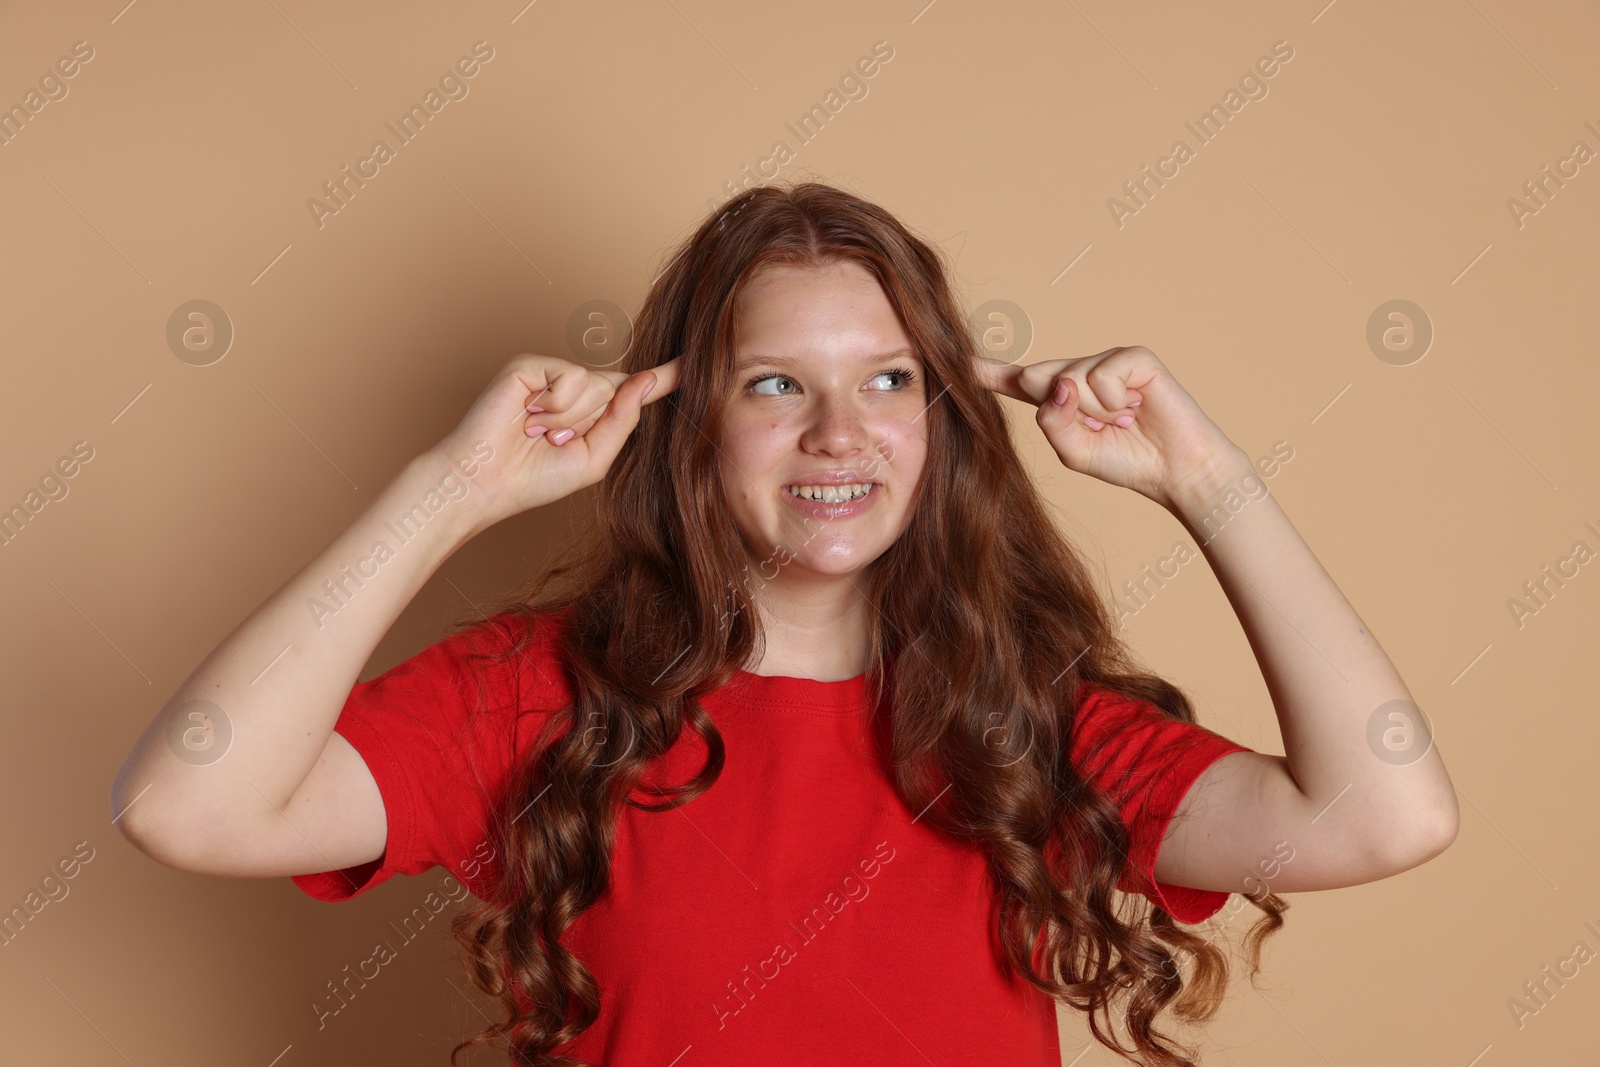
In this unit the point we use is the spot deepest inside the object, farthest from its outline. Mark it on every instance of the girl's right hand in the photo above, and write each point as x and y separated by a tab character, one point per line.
555	427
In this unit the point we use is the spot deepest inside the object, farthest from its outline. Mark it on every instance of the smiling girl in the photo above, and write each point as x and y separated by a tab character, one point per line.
819	744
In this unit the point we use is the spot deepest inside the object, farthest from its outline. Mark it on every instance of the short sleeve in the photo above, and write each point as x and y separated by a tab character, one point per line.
440	734
1145	762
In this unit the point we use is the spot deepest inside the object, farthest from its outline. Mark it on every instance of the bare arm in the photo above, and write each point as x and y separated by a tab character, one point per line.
216	794
241	773
1352	802
1361	793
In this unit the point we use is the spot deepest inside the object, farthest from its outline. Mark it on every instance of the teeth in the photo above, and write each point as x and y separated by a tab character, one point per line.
831	494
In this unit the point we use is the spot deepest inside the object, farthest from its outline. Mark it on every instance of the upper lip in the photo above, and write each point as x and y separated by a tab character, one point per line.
832	478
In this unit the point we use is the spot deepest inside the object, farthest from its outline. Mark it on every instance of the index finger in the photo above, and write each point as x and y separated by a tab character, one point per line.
666	378
1007	380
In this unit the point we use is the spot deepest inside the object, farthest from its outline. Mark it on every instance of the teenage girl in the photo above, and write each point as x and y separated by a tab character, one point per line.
819	744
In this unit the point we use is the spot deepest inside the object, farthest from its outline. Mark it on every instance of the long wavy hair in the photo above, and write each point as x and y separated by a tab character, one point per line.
981	597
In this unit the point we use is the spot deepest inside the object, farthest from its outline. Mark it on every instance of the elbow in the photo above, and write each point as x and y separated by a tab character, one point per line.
123	800
162	843
130	796
1443	823
137	815
1430	845
1428	838
196	835
1444	830
135	827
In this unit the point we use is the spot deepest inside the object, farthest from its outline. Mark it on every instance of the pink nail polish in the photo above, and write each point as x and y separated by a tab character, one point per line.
1093	424
1124	420
535	431
561	437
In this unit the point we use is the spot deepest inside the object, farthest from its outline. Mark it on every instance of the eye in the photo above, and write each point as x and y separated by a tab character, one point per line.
758	379
905	374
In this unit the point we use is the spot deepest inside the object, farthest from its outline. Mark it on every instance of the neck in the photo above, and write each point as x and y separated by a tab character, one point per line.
815	627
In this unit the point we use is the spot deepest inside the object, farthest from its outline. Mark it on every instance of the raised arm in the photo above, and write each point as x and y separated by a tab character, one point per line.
1362	792
211	784
241	772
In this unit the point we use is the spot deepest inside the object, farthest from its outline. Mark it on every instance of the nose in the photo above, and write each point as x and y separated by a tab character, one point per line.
837	427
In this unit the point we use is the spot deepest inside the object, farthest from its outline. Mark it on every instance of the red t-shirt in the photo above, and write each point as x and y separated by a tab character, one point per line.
796	913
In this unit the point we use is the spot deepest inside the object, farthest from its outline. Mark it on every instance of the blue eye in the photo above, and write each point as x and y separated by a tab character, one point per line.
767	378
906	375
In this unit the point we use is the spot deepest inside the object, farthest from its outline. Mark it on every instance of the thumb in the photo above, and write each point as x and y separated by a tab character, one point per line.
621	417
1051	413
1060	421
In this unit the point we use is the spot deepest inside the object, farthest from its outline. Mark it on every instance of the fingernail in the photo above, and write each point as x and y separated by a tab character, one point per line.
1062	391
535	431
1124	420
1093	424
561	437
647	389
534	409
1135	403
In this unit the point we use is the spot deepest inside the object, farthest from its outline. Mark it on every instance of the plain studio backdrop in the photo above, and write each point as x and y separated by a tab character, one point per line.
1379	258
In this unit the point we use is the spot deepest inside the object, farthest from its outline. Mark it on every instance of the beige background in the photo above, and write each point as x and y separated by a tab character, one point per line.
1378	167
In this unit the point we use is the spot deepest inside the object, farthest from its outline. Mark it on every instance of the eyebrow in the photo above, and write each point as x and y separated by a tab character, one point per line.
791	361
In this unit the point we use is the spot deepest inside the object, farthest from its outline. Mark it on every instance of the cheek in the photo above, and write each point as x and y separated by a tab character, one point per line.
750	439
902	447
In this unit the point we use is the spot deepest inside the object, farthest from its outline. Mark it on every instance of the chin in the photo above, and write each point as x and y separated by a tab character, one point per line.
836	565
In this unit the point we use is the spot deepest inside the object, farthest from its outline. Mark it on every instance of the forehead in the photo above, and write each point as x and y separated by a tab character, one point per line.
835	313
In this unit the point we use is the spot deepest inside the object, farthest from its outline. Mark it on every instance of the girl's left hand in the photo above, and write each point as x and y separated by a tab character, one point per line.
1125	419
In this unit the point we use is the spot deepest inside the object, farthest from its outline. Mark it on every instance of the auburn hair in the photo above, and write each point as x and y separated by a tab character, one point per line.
982	600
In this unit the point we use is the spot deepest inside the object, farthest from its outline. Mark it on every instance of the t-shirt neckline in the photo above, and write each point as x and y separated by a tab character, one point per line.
805	694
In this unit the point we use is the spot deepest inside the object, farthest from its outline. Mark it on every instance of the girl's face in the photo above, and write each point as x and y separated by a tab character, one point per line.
828	390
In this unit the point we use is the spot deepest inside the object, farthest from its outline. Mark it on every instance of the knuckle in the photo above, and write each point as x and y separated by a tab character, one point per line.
525	361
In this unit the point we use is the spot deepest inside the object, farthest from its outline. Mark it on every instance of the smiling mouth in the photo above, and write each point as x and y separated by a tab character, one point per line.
831	494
